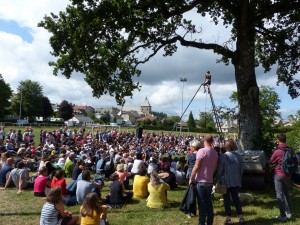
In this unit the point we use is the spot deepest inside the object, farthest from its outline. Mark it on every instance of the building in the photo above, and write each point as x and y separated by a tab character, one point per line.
99	112
55	107
146	107
143	109
79	120
83	110
229	126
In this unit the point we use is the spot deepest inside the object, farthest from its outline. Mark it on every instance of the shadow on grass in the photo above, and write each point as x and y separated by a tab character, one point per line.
266	221
174	205
20	213
134	202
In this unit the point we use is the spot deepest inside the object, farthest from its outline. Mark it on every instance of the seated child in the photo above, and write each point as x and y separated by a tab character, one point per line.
59	181
42	183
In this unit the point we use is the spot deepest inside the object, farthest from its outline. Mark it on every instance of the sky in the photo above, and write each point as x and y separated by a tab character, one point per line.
25	53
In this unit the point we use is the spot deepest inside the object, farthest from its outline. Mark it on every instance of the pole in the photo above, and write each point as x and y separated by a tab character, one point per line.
182	80
20	114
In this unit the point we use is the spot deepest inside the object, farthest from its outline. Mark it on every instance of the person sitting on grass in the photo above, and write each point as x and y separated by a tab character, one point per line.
92	212
59	181
42	183
5	171
20	177
46	162
86	186
79	167
140	183
157	192
69	165
53	211
117	195
4	157
167	176
123	175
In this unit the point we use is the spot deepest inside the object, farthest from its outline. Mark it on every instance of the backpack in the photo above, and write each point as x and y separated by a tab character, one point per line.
289	162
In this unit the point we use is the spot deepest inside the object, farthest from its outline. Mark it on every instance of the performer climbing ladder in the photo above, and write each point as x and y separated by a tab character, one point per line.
206	83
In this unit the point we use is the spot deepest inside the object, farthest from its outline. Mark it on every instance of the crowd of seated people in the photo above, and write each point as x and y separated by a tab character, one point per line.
81	155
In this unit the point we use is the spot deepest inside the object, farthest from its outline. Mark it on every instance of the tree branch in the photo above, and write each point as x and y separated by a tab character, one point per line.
208	46
277	7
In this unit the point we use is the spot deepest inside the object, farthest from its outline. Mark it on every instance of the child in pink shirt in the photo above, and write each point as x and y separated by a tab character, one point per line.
41	183
122	173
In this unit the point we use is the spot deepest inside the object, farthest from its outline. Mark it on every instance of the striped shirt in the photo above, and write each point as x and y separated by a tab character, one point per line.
49	214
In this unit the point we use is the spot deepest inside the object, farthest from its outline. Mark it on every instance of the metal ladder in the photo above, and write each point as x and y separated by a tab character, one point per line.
215	113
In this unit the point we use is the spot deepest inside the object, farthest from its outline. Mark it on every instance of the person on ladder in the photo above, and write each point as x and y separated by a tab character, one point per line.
207	80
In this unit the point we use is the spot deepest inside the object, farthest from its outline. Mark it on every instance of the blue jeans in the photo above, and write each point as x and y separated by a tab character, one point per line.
72	188
234	193
188	173
204	197
282	185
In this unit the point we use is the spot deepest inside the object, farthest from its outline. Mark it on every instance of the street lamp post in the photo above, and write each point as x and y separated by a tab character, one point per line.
182	80
20	114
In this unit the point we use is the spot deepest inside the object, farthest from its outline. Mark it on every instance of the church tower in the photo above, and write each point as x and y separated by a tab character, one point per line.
146	107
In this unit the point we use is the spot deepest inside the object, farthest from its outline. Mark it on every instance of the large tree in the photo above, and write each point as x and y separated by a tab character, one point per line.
47	108
107	41
28	99
191	121
65	110
5	94
269	111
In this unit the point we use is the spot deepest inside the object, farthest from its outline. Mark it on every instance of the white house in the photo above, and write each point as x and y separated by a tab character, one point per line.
82	121
229	126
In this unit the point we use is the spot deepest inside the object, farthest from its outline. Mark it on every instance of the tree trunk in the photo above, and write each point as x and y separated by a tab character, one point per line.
247	89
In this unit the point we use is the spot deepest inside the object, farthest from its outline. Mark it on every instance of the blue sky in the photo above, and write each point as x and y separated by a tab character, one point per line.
25	55
13	27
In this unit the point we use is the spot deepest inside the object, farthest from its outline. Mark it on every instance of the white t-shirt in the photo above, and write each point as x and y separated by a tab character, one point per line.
136	165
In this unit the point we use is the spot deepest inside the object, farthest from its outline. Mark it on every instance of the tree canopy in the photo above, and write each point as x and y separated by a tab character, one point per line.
108	40
5	94
191	121
65	110
47	108
29	99
293	137
206	122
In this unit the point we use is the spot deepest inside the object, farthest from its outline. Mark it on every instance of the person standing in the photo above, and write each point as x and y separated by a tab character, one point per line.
202	174
230	171
195	145
282	180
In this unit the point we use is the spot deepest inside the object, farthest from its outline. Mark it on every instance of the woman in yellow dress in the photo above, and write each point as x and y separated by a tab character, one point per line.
92	213
157	192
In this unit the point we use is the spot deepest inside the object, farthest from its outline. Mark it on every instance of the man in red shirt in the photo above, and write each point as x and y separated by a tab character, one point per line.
282	180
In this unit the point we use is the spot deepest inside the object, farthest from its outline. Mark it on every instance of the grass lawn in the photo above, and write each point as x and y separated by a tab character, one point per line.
25	209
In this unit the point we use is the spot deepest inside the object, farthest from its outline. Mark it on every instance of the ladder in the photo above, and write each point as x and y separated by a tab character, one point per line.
215	113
